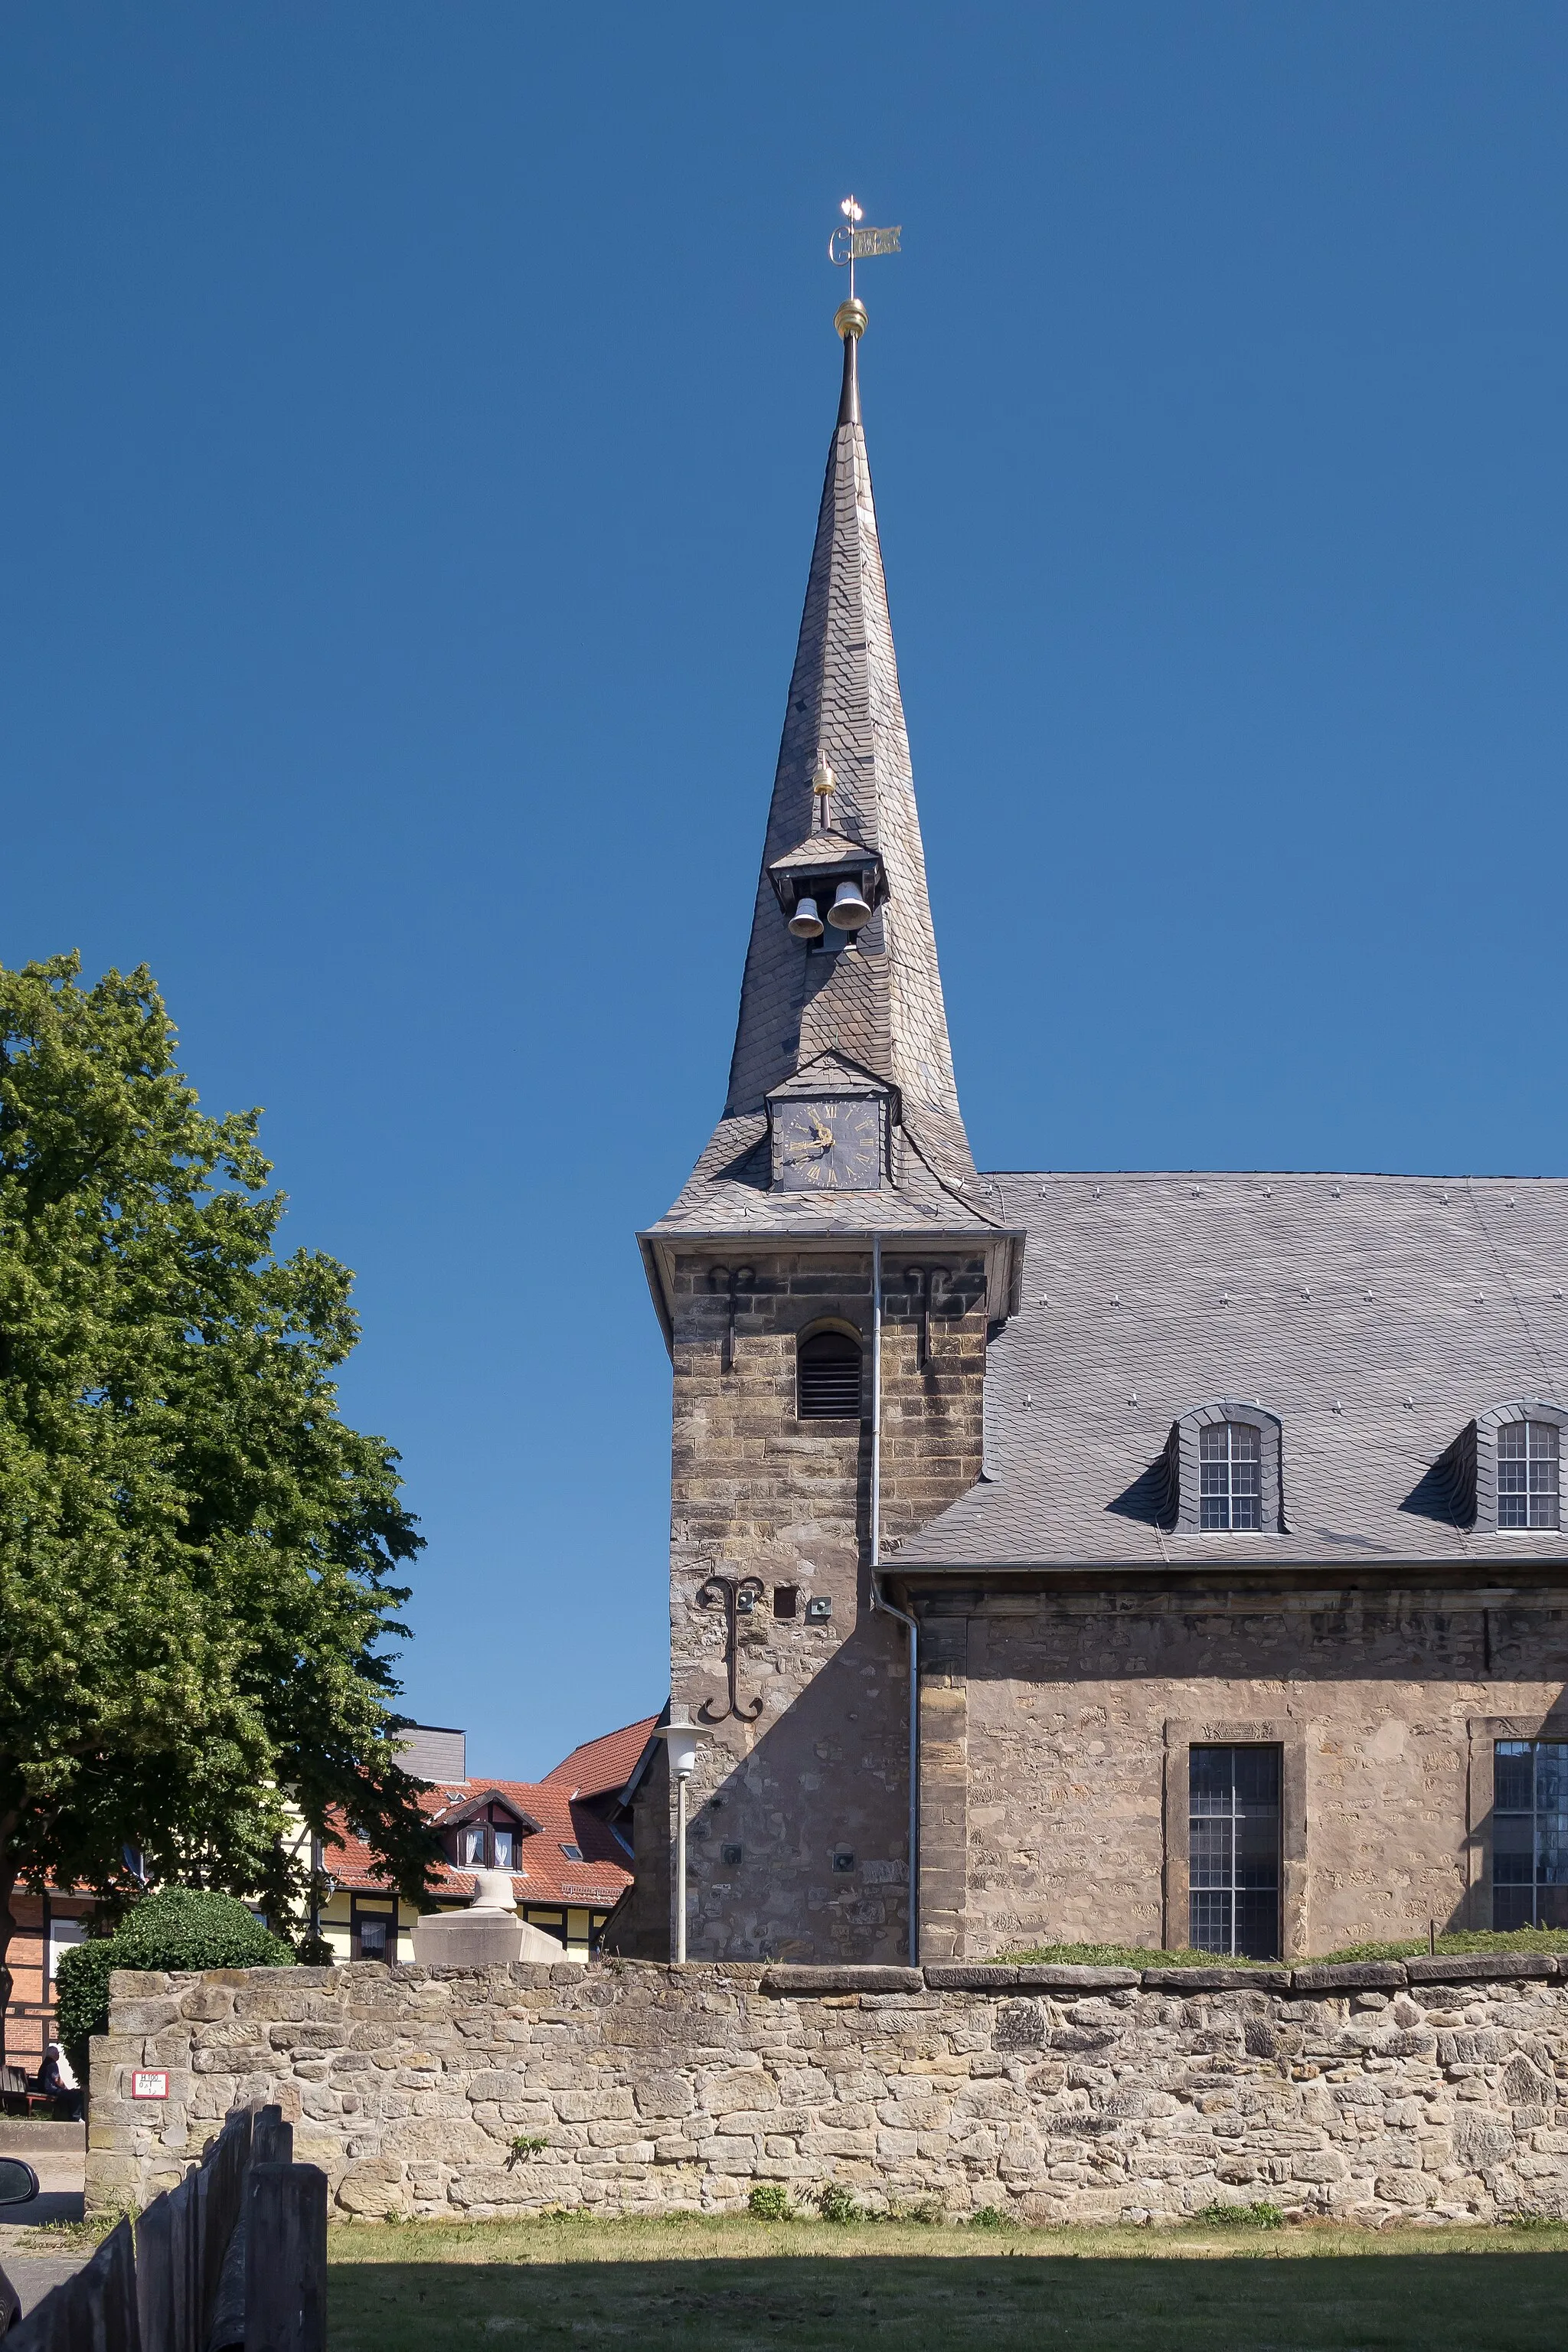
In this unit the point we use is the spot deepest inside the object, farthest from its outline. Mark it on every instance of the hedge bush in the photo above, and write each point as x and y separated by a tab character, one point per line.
180	1927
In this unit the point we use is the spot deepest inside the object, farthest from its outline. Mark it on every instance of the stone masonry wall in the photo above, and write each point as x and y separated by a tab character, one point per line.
1056	1727
799	1844
1374	2093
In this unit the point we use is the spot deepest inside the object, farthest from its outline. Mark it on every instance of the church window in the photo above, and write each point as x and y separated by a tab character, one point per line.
1530	1830
828	1377
1234	1851
1230	1475
1527	1474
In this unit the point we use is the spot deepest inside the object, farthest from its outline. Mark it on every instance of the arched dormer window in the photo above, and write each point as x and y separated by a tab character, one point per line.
1506	1469
1223	1473
827	1375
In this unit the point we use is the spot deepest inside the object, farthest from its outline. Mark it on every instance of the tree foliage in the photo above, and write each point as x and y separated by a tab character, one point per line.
178	1927
197	1555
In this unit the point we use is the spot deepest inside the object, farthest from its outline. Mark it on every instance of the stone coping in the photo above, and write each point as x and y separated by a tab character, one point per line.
792	1980
1327	1977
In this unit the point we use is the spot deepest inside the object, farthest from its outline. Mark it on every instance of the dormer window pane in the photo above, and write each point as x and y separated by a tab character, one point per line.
471	1848
1527	1474
1230	1472
505	1849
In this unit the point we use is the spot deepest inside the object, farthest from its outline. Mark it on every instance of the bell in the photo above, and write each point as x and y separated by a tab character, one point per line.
848	909
805	923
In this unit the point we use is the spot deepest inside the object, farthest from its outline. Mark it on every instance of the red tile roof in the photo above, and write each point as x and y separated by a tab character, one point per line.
604	1764
546	1876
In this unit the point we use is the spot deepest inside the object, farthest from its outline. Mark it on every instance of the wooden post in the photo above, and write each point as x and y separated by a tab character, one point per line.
271	2139
163	2273
286	2259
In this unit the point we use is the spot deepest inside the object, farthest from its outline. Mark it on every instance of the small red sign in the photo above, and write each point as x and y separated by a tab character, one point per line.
149	2085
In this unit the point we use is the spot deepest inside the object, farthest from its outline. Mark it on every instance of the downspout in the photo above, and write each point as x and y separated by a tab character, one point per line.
880	1599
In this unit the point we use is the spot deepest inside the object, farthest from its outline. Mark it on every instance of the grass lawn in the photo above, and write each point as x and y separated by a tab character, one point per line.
741	2286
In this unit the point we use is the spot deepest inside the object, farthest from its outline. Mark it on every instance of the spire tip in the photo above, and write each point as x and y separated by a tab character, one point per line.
851	319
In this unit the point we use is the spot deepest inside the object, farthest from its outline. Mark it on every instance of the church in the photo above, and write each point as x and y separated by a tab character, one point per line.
1166	1560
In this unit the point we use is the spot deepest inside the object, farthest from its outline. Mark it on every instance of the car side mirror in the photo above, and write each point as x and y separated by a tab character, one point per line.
19	2181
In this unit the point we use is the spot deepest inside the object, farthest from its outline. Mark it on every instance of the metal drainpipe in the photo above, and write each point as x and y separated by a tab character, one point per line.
879	1601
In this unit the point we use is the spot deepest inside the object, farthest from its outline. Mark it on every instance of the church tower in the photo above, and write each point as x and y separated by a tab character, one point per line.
826	1281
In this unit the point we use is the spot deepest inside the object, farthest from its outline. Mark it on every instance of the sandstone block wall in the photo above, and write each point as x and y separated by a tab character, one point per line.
1056	1727
1373	2094
799	1803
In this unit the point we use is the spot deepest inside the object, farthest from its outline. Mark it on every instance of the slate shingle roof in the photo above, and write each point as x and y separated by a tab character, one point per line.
879	1001
1410	1302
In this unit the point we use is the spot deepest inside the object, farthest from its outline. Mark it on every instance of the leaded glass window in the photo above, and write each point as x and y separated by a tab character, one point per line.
1230	1475
1234	1851
1527	1473
1530	1831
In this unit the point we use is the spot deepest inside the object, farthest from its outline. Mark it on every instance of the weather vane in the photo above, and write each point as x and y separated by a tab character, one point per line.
852	243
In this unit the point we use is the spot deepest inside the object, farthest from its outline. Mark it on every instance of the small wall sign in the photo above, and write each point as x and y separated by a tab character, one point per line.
149	2085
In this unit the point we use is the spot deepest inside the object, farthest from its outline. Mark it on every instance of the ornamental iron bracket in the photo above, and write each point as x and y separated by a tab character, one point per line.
738	1596
722	1279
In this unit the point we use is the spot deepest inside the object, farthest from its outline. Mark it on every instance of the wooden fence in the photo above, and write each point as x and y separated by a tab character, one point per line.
234	2260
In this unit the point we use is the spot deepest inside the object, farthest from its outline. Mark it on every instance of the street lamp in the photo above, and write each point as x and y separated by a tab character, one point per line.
682	1738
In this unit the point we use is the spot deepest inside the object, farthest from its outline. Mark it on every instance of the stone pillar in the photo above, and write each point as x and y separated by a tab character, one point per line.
944	1774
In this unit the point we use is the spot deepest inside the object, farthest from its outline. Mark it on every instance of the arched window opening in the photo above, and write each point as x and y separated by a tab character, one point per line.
1230	1475
1527	1469
827	1376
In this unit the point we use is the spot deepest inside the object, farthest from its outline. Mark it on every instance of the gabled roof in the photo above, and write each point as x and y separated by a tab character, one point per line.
820	853
826	1071
480	1794
1374	1315
601	1765
547	1876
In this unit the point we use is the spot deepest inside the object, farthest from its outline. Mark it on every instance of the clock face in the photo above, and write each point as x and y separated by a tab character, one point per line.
827	1146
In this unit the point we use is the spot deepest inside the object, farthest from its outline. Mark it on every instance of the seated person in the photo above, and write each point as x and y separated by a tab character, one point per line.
57	2080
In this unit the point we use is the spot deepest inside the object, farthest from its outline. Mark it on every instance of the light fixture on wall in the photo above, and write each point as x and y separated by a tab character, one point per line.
680	1740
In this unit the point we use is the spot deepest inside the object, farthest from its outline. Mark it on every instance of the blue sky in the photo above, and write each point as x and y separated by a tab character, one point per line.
413	427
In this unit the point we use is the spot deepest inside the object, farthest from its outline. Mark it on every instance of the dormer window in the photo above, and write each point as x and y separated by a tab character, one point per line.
1223	1473
490	1839
1527	1474
1503	1472
1230	1475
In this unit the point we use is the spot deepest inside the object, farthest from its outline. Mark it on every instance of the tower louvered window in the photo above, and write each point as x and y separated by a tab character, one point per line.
827	1376
1527	1474
1230	1475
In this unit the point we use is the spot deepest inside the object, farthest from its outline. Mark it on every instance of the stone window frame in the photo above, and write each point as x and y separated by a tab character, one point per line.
1477	1457
1184	1475
1482	1731
1183	1733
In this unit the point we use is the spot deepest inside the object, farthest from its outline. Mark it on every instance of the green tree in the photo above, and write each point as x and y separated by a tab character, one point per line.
195	1553
178	1927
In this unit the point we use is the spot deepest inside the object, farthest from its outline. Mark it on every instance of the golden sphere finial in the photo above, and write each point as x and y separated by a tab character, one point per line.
850	318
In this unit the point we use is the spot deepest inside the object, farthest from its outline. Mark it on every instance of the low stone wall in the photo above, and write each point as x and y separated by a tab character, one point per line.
1433	2090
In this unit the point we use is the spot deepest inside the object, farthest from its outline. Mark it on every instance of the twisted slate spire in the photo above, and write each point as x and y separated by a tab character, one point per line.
878	1002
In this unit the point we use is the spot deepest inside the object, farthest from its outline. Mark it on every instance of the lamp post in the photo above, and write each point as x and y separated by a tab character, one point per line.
682	1738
